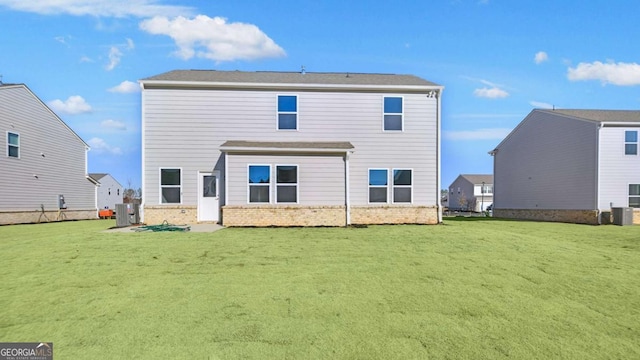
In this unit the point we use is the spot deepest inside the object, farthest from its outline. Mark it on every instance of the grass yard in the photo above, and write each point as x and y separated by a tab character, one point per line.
469	289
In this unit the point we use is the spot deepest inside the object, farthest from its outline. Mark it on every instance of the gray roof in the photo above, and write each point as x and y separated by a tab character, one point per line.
600	115
478	178
97	176
273	77
288	145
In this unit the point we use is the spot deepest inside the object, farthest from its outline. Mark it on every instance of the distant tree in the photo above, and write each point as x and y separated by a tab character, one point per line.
463	202
131	195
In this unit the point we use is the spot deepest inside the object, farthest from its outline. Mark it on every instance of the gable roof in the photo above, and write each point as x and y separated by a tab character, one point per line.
274	78
97	176
478	178
25	87
599	115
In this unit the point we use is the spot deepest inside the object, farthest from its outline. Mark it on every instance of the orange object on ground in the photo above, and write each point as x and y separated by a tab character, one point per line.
105	213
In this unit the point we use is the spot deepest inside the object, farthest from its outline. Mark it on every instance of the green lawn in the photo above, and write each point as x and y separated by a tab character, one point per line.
469	289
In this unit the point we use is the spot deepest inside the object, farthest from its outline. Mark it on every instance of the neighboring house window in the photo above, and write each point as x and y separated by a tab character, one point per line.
402	186
631	143
378	185
286	183
634	195
13	145
393	114
486	189
287	112
170	186
259	182
118	192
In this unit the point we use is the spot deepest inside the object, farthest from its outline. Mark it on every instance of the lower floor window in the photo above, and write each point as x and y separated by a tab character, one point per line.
170	186
378	185
286	184
634	195
259	183
402	186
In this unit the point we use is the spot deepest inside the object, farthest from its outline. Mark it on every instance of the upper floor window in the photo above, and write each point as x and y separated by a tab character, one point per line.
631	143
13	145
634	195
170	186
402	186
378	185
287	112
259	183
393	115
286	184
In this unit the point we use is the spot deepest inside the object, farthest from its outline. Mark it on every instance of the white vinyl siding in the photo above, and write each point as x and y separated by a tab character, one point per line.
52	157
187	127
617	170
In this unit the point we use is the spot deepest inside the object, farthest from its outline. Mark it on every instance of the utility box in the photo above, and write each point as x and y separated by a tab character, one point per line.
622	215
127	214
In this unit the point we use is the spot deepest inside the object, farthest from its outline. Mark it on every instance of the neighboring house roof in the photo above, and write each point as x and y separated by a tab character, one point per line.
478	178
604	117
599	115
8	86
296	146
97	176
272	77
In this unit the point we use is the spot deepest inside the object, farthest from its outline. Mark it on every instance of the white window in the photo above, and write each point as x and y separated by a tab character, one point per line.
259	183
287	112
486	189
634	195
402	186
393	113
286	183
13	145
631	143
170	186
378	185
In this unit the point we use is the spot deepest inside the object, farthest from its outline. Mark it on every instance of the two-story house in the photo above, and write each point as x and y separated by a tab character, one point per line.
569	166
43	163
109	192
290	148
470	192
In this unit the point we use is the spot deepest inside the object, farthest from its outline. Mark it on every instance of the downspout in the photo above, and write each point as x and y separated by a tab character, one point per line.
438	171
597	197
347	193
142	153
226	183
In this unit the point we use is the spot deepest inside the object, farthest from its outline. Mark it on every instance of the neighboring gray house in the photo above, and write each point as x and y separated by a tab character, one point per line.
471	193
569	166
109	191
286	148
42	160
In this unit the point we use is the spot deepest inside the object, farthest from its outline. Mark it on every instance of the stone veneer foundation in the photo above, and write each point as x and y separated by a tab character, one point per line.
567	216
261	215
394	215
177	214
31	217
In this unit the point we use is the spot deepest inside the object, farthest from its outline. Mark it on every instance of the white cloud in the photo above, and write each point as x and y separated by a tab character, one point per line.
541	57
114	58
130	44
113	124
101	147
623	74
479	134
490	93
541	105
97	8
74	105
214	38
125	87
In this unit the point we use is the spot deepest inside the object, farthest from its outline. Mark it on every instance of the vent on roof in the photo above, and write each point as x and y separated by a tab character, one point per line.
302	70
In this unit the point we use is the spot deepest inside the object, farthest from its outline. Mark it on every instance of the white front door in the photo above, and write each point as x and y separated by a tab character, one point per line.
208	196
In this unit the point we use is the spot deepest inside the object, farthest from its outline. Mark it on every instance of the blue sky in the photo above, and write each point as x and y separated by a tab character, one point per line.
497	59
